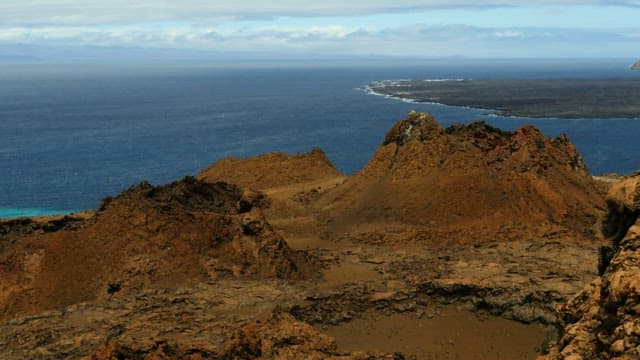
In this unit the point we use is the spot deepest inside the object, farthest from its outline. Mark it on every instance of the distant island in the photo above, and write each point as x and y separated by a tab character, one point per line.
636	66
548	98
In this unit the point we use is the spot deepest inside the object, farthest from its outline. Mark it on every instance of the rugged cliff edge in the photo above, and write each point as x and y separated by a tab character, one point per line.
603	321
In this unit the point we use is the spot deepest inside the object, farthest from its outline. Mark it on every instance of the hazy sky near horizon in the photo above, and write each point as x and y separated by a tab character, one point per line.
418	28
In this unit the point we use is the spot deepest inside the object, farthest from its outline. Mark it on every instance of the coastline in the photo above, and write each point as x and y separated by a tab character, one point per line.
369	90
521	98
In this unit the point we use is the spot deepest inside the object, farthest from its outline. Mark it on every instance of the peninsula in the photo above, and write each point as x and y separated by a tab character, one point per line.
537	98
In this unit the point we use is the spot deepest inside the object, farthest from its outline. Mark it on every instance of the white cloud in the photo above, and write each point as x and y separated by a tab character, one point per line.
211	25
92	12
508	34
414	40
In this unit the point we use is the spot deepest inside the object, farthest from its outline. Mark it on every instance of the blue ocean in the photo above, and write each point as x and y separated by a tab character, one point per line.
71	135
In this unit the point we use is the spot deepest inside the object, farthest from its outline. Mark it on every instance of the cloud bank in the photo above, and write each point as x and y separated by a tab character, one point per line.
92	12
331	28
409	41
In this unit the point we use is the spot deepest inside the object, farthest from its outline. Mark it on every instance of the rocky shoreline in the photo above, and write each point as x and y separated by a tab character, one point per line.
535	98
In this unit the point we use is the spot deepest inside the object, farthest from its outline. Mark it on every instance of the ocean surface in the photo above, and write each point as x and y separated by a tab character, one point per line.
70	136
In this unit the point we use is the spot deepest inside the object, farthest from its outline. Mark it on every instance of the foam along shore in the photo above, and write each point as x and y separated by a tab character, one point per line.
536	98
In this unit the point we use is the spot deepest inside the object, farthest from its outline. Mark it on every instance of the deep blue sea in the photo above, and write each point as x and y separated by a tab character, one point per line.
71	135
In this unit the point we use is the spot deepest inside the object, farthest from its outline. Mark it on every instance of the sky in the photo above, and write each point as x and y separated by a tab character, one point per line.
325	29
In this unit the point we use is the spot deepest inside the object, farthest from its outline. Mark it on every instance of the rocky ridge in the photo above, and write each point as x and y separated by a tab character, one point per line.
603	321
466	183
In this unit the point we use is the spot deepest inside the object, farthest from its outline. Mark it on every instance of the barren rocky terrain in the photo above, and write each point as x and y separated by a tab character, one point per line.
457	243
602	321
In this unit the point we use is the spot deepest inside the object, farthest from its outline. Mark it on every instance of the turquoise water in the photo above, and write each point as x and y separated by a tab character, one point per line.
11	213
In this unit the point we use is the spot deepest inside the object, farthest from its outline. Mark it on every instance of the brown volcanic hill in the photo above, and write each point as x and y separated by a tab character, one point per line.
291	183
603	321
163	237
465	183
271	170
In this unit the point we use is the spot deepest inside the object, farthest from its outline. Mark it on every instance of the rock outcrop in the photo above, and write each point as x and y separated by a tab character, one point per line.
284	337
468	183
636	66
603	321
280	337
169	236
271	170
